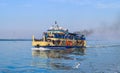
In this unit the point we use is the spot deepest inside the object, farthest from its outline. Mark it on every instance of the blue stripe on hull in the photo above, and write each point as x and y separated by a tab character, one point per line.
62	47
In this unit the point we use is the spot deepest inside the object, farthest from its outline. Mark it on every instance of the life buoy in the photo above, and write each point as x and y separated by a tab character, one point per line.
69	43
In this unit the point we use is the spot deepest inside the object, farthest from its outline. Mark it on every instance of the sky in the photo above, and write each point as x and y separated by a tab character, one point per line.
24	18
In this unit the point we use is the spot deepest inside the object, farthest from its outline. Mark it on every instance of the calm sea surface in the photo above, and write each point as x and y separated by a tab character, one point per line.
98	57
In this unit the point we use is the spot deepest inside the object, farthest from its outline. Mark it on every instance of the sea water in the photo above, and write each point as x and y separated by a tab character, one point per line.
98	57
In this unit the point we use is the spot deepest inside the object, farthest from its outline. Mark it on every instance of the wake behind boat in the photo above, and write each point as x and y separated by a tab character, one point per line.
57	37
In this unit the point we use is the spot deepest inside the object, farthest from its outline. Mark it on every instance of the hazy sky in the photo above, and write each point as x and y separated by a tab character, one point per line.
22	18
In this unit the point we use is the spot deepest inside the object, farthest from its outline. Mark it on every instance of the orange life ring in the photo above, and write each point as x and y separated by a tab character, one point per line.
69	43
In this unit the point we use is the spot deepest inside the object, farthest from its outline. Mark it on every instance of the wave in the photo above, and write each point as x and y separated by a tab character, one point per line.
102	46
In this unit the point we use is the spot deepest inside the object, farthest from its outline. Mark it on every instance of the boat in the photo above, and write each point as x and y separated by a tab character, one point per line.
57	37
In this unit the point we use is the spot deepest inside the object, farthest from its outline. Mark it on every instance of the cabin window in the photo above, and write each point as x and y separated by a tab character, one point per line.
58	35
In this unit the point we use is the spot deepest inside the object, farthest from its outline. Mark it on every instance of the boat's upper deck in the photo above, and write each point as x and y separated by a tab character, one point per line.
57	29
61	33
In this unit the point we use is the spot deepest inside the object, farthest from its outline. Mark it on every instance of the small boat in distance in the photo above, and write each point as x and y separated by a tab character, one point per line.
57	37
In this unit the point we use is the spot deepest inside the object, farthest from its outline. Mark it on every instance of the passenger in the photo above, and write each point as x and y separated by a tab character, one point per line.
82	38
60	44
53	42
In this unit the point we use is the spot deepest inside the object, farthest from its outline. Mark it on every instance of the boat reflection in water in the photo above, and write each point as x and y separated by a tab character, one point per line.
58	59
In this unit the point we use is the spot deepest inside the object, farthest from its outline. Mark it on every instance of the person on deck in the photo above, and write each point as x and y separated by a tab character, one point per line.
82	38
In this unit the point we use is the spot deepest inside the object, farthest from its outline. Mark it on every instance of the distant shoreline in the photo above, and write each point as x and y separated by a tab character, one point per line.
15	39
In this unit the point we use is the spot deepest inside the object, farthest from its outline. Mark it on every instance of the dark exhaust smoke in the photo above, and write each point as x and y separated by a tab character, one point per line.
85	32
